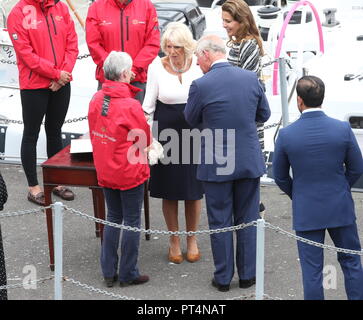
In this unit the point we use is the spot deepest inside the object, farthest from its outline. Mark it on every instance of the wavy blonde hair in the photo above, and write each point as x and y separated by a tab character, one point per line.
179	34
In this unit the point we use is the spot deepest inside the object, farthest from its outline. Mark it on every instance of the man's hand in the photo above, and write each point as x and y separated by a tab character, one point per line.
54	86
133	76
65	77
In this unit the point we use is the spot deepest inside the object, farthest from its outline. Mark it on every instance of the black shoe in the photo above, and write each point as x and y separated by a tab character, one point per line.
244	284
110	281
220	287
262	210
140	280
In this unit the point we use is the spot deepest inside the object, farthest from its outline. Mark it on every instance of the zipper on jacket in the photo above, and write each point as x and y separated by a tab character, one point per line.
51	40
55	29
127	28
30	74
122	30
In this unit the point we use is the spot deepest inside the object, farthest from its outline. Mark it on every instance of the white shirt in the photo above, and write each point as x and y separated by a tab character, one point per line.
219	61
166	87
312	110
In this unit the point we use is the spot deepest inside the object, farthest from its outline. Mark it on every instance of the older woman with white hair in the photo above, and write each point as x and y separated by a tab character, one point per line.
120	135
174	177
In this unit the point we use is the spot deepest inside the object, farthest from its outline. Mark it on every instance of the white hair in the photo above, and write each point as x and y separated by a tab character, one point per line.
211	43
115	64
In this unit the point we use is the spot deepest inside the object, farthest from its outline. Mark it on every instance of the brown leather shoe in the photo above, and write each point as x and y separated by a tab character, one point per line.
139	280
193	257
64	192
110	281
37	198
176	258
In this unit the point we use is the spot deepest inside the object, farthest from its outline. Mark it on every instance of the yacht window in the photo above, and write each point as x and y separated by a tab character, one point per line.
356	122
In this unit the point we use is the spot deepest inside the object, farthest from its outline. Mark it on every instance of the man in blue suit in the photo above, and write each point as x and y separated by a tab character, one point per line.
326	161
226	103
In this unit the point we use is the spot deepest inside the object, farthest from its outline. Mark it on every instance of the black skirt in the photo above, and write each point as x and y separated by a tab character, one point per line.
176	179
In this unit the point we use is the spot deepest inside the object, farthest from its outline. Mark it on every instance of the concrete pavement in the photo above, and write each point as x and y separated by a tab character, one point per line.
26	250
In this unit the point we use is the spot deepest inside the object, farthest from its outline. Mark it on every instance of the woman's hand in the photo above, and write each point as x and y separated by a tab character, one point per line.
65	77
54	86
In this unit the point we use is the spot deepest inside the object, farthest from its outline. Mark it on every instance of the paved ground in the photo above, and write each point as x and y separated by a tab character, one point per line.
26	248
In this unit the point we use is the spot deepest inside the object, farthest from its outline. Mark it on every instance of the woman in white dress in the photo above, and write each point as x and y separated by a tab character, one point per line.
174	177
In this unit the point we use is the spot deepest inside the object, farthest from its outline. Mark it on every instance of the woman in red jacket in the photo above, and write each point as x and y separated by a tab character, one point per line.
123	25
120	136
46	47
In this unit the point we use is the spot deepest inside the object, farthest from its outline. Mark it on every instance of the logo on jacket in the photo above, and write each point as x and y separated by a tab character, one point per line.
104	23
15	36
58	18
135	21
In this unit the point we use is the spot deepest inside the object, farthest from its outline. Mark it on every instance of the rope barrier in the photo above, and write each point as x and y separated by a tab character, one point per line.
149	231
93	289
24	212
21	285
80	57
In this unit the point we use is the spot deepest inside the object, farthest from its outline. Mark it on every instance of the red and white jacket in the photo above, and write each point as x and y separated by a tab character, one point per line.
44	39
119	135
131	27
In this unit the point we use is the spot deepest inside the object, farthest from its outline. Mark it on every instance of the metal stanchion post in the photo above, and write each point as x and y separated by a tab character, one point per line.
283	92
260	259
58	250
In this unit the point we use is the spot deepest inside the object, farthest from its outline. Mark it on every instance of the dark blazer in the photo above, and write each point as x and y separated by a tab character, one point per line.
225	98
326	161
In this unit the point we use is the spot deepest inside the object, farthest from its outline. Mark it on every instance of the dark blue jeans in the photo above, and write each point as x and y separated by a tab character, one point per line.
123	207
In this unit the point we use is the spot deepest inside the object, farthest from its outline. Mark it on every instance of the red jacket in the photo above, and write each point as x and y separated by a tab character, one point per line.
131	27
119	137
44	40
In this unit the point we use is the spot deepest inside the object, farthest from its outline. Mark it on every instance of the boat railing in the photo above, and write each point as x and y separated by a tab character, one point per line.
3	15
294	8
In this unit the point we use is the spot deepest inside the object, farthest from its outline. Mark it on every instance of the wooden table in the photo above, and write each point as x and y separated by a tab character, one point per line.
64	169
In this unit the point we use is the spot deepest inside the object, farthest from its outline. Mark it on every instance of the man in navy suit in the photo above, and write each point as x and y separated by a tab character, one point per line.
326	161
226	103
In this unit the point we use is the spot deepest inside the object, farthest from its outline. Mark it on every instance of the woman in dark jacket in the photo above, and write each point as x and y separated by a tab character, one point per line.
3	293
3	199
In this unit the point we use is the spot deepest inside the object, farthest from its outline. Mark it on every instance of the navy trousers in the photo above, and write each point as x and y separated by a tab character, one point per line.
312	262
122	207
228	204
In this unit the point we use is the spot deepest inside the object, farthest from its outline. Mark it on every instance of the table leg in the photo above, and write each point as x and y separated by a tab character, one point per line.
99	210
95	210
146	208
48	202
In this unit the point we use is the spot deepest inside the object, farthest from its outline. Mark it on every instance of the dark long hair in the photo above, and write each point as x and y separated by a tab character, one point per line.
241	12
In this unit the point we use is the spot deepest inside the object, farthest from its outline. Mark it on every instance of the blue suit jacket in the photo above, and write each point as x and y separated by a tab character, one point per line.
225	103
326	161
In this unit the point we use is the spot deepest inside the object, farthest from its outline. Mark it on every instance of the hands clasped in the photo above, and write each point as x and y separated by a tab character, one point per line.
64	78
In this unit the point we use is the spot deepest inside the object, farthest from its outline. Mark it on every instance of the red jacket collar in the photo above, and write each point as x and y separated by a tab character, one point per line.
121	5
119	89
43	3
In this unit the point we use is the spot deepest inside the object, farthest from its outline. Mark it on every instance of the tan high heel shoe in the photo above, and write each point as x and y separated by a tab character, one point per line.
193	257
175	258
